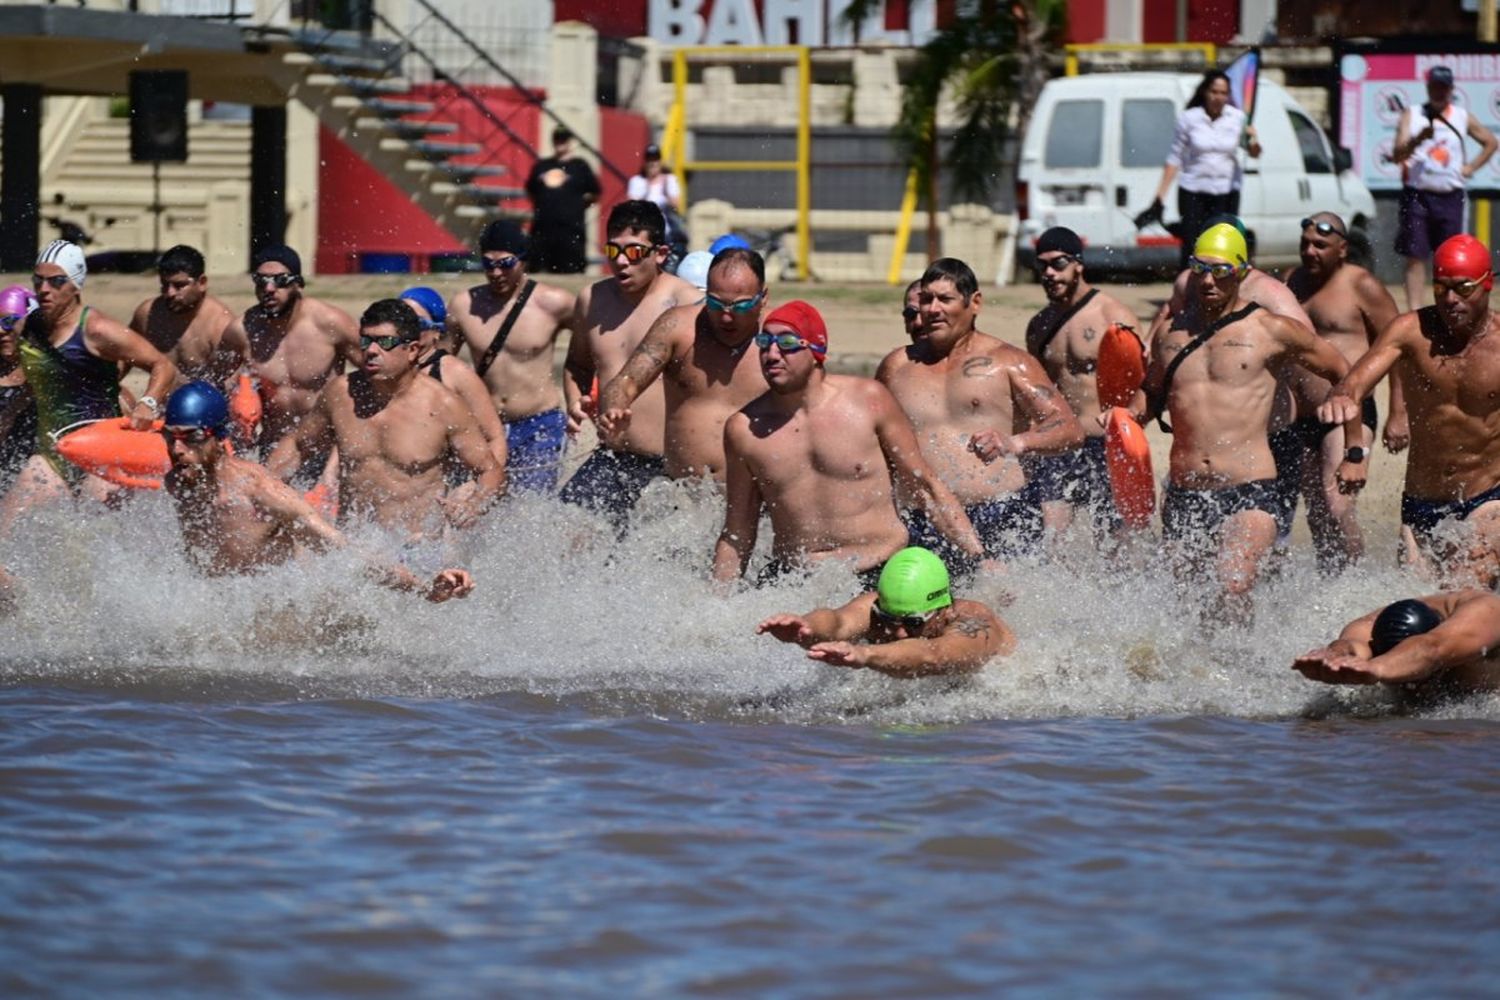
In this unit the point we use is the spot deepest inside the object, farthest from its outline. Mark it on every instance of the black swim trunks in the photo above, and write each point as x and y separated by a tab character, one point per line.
779	567
1079	477
611	482
1423	516
1198	513
1312	431
1291	448
1007	526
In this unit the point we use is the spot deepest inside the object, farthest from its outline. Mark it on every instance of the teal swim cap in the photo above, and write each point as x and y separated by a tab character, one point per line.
913	582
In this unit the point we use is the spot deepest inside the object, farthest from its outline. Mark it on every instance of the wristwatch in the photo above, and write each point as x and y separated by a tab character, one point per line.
1355	455
149	401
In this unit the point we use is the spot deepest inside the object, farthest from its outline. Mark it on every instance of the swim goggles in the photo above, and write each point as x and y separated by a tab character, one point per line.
9	323
633	252
55	280
1217	270
1057	263
714	304
188	435
1324	228
285	280
909	622
1464	287
385	343
789	343
506	263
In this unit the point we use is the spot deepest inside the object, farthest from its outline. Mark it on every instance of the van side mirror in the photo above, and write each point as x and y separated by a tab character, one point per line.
1342	159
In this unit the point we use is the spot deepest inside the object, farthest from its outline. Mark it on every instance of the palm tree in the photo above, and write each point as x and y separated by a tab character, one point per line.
995	55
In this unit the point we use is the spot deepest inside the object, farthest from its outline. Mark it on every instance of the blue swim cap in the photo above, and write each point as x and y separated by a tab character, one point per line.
429	300
198	404
729	241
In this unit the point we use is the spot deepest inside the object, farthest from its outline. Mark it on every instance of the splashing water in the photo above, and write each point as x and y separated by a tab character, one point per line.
564	610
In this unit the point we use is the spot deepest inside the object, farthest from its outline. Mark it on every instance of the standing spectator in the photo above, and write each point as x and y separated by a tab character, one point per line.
1430	149
658	185
1204	161
561	186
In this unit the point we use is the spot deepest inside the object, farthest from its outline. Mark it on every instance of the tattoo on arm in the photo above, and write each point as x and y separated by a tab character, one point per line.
1089	333
973	628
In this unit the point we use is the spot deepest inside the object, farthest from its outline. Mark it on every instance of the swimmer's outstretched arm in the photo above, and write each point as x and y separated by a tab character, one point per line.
972	639
852	621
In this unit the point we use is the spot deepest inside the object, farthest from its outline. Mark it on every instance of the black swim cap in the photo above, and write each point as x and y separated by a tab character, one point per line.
504	235
1059	238
281	254
1401	620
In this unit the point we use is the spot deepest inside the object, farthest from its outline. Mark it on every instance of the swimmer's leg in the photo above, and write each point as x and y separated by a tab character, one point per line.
1332	516
36	485
1412	553
1483	555
1244	542
1057	517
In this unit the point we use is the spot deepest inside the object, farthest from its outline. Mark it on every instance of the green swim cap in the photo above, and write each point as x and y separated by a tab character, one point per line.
1222	242
913	582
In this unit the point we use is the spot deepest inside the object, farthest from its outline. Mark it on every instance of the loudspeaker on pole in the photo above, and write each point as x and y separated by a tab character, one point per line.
158	116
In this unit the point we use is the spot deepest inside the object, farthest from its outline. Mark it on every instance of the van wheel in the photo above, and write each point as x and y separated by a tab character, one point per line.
1361	250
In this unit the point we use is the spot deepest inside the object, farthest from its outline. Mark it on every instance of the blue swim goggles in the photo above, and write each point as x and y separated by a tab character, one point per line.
743	306
789	343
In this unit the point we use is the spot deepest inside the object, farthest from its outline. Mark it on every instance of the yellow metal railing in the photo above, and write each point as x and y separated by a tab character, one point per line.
674	140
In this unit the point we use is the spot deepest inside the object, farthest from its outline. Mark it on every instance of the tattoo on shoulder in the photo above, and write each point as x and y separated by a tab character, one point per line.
972	627
975	367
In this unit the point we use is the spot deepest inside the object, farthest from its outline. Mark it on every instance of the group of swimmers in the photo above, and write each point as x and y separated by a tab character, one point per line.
962	452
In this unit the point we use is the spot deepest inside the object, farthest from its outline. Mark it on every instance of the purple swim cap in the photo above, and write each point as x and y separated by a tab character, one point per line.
16	300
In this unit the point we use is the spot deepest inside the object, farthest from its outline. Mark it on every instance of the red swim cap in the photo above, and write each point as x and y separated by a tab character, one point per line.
805	321
1465	258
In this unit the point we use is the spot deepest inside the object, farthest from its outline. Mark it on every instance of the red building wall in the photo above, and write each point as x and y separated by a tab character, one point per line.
1215	21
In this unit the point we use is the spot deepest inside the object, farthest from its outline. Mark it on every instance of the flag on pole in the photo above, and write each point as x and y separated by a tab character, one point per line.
1244	75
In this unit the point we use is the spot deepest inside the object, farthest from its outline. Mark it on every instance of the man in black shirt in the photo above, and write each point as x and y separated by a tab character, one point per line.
561	186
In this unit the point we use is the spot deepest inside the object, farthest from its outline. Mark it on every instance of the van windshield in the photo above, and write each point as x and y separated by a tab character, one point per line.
1076	135
1146	127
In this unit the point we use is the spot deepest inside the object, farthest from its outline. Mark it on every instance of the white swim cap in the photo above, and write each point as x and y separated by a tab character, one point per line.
67	256
694	269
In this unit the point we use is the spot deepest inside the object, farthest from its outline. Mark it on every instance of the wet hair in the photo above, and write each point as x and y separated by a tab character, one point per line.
1400	621
640	215
395	312
954	270
181	259
742	257
1200	95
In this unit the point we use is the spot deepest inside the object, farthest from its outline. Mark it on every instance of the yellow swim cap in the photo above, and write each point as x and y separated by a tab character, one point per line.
1223	242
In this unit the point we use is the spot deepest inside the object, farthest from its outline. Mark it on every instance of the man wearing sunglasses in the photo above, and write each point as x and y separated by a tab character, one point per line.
1349	307
909	625
189	325
821	454
394	428
236	517
911	312
704	357
297	343
978	404
1064	336
72	356
1447	357
511	324
611	320
1215	372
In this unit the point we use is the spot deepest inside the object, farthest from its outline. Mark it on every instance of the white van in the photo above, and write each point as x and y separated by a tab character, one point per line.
1094	151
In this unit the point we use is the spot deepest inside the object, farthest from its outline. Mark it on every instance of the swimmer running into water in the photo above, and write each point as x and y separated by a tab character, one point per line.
236	517
909	626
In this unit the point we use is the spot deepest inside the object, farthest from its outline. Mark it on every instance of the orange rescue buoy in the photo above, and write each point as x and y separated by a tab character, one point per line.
245	408
1128	455
1122	366
111	450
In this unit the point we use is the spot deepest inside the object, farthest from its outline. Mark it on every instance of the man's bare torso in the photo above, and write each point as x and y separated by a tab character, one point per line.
1337	317
1071	355
613	328
224	530
521	378
949	400
293	359
194	341
704	386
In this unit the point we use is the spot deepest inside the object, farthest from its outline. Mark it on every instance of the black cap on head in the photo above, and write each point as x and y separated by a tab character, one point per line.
1060	239
503	234
279	253
561	135
1401	620
653	152
1440	75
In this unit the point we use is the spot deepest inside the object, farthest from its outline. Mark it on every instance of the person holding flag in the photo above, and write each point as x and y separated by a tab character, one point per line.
1204	161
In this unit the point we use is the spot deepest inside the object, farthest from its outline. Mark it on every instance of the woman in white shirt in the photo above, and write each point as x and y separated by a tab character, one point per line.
658	185
1204	160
